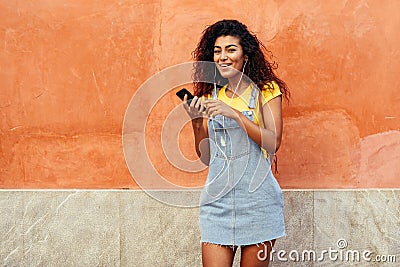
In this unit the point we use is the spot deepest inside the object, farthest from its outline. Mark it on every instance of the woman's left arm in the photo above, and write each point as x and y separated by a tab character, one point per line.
273	124
268	137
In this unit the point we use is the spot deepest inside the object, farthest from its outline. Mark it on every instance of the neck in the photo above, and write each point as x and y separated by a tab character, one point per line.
237	85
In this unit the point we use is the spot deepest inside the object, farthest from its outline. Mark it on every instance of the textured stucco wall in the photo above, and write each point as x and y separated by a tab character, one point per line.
129	228
68	70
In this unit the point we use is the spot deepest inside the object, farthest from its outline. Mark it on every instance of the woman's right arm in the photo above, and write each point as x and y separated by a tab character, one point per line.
199	124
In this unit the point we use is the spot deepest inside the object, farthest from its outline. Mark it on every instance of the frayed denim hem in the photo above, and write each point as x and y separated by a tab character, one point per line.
235	247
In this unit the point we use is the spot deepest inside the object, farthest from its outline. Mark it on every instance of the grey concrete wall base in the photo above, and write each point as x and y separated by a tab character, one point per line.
130	228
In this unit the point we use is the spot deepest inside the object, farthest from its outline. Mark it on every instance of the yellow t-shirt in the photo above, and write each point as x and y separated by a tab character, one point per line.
241	102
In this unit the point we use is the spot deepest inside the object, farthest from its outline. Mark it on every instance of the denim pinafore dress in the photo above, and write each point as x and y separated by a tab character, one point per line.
241	202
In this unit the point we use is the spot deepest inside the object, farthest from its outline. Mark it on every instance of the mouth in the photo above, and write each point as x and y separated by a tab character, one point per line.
224	65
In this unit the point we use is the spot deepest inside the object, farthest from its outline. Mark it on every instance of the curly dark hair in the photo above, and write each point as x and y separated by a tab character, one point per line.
259	69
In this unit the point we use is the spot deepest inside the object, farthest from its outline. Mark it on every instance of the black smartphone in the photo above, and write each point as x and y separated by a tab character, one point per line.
181	93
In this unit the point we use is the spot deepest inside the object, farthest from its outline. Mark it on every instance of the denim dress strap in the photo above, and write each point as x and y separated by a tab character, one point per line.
253	97
215	92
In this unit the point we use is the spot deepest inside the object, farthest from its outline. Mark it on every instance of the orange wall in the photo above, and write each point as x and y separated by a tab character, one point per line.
68	70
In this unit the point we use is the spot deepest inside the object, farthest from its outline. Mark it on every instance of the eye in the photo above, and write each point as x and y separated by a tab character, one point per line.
217	51
231	50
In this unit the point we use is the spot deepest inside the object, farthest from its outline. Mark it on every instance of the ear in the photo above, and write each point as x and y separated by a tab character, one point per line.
246	58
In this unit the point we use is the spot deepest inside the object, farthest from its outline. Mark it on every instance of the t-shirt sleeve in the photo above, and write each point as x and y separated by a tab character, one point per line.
270	91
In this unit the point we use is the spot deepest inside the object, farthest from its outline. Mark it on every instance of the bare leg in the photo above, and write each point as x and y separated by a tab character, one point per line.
216	255
257	255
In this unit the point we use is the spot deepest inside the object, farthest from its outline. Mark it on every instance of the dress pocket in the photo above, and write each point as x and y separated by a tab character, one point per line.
231	141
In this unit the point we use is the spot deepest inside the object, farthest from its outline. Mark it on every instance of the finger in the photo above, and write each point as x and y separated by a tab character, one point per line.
193	102
210	101
211	112
213	104
214	113
211	107
185	104
197	103
202	107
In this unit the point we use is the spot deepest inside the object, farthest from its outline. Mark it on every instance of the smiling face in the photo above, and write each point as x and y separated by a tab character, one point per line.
228	54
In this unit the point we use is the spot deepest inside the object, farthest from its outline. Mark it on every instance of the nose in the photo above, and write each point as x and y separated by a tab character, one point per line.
223	56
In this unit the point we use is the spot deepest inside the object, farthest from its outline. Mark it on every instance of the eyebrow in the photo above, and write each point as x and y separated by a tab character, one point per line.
217	46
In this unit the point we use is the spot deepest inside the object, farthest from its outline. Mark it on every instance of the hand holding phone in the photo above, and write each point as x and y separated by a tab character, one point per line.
181	94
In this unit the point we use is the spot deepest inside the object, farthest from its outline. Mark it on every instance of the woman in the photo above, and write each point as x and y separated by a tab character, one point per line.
237	123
